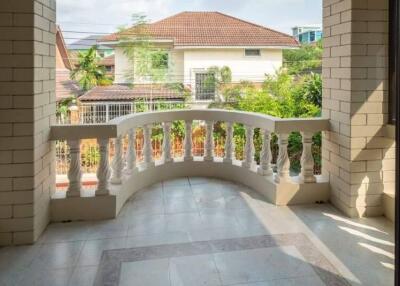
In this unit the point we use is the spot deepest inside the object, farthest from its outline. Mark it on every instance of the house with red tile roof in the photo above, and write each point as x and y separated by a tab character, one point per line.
193	42
65	87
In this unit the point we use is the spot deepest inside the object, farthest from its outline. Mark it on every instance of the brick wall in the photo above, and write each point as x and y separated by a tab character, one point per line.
27	109
356	156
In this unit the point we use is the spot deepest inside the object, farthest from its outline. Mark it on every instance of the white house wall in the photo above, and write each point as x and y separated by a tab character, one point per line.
121	66
176	65
242	67
184	64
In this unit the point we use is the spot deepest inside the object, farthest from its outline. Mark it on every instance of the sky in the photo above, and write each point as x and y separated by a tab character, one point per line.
105	16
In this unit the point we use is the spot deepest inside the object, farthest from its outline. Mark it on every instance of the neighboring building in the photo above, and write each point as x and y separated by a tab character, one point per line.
195	41
104	103
109	64
65	87
104	52
86	43
307	34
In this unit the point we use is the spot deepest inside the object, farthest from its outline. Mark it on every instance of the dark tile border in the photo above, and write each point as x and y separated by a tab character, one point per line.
110	265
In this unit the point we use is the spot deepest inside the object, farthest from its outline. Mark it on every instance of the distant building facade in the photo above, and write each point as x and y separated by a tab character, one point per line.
84	44
307	34
65	87
193	42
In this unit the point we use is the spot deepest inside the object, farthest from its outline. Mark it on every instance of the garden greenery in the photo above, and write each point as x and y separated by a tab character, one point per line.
88	72
282	95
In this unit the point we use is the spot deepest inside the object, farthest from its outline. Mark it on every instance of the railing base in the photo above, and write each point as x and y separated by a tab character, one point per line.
83	209
106	207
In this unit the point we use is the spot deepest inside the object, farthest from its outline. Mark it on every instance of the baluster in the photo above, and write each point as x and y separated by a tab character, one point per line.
117	163
74	172
147	148
188	141
265	157
167	142
131	152
229	144
283	163
248	161
307	159
209	142
103	171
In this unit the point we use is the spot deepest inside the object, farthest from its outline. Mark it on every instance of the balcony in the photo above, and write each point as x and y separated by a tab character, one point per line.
127	175
152	220
172	227
207	210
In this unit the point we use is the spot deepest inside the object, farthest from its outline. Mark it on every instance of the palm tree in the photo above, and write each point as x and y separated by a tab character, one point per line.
88	72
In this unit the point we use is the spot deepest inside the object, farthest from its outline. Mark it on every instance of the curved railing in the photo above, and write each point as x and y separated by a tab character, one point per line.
124	163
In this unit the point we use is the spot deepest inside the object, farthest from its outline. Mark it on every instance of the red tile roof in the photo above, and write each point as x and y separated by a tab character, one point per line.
209	29
65	87
108	61
128	93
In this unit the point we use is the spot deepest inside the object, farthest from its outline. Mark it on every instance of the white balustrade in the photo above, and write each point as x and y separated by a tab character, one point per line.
307	159
74	171
103	171
229	144
283	163
265	157
131	152
188	141
209	142
117	163
74	133
147	148
248	161
166	152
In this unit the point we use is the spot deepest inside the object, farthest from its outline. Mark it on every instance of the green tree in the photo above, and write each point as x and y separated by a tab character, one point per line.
286	96
306	58
88	73
147	62
218	77
282	95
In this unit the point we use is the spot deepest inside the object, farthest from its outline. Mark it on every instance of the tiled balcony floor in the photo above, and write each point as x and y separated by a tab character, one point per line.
199	231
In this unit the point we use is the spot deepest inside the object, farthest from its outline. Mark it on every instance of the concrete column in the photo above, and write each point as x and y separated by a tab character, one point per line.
357	157
27	109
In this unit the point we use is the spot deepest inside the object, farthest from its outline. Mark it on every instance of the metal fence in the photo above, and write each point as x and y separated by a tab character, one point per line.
102	112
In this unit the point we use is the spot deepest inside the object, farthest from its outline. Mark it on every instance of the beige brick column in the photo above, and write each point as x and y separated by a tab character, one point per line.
27	109
357	157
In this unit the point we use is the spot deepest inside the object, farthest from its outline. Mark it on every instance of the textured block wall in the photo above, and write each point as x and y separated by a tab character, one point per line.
357	157
27	109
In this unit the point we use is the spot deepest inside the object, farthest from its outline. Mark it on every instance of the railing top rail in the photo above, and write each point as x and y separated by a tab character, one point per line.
83	131
121	125
132	102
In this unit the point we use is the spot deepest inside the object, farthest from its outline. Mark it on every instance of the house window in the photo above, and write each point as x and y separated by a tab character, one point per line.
312	36
205	86
252	52
159	60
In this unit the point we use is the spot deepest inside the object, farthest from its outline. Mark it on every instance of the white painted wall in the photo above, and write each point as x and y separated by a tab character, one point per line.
122	66
184	64
176	65
242	67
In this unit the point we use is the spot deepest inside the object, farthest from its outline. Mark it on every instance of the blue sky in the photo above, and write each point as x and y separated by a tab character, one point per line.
104	16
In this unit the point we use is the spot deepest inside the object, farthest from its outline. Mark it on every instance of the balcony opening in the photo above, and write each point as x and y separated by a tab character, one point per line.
192	147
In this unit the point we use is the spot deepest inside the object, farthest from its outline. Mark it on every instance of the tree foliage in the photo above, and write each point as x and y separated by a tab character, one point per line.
282	95
305	59
147	62
88	72
285	96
